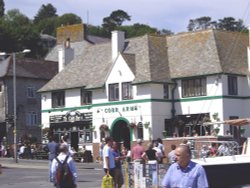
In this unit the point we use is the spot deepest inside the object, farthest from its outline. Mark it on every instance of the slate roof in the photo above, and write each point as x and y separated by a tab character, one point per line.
158	59
207	52
32	68
78	47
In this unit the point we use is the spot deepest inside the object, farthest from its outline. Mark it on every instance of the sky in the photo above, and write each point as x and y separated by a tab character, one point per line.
172	15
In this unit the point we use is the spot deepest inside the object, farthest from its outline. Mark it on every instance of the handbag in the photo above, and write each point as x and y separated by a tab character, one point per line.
107	181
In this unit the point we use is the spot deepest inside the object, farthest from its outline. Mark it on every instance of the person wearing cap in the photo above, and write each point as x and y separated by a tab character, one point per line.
137	152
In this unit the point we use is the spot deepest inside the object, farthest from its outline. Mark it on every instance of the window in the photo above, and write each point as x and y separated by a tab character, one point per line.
194	87
58	99
232	85
140	130
165	91
31	92
31	119
86	97
127	92
113	92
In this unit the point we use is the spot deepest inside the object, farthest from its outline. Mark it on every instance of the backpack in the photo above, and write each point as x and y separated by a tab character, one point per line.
64	177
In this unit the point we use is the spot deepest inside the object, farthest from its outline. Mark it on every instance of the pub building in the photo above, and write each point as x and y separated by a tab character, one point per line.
145	87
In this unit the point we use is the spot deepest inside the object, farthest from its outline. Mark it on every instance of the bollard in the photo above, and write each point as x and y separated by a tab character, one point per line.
0	169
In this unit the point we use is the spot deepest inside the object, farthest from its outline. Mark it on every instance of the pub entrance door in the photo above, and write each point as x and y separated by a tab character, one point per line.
121	133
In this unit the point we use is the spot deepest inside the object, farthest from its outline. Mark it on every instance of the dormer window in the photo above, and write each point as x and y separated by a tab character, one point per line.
114	92
127	91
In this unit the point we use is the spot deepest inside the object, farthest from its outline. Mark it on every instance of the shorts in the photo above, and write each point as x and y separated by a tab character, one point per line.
118	178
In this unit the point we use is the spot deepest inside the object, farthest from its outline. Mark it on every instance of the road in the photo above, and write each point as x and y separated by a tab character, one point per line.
34	173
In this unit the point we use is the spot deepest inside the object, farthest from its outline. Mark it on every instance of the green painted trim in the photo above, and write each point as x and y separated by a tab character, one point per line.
107	104
146	101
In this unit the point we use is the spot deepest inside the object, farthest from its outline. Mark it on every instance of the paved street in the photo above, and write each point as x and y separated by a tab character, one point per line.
34	173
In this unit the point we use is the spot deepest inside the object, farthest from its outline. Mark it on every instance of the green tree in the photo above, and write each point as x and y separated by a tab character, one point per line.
46	11
205	22
18	33
137	30
2	8
68	19
230	24
201	23
115	19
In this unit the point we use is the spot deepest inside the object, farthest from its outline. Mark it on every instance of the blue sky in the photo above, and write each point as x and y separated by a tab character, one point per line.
162	14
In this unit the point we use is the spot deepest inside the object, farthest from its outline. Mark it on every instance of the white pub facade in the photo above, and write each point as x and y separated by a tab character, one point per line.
147	87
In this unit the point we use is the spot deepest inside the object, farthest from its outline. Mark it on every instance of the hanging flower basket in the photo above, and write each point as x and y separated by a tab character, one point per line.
104	127
216	130
146	124
132	125
164	134
92	128
242	131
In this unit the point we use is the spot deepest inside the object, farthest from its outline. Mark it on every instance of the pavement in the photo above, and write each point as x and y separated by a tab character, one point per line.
41	164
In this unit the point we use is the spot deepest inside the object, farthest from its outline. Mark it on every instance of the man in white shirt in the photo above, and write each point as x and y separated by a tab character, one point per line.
63	149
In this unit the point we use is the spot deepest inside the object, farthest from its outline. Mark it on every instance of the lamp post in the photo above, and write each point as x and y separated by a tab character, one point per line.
14	98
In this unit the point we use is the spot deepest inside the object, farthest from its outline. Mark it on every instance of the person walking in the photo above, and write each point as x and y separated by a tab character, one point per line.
118	176
185	173
64	154
52	148
137	151
108	157
64	140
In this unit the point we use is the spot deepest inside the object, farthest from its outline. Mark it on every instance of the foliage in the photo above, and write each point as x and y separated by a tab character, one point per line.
68	19
115	19
230	24
104	127
46	11
2	8
18	32
137	30
205	22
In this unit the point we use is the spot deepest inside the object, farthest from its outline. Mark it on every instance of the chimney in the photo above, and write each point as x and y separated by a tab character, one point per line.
117	43
65	55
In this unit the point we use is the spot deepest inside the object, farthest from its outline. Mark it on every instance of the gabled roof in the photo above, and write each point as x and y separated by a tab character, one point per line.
207	52
145	56
88	70
32	68
158	59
